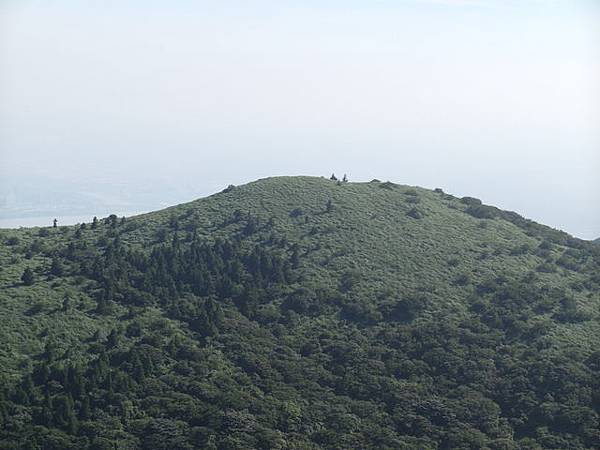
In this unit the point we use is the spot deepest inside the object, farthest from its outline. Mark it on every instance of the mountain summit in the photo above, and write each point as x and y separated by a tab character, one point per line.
301	313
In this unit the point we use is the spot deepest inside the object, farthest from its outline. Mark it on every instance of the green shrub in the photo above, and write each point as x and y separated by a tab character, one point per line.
482	211
415	213
28	277
387	185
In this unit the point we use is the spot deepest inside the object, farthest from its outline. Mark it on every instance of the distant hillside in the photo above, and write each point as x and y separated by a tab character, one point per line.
301	313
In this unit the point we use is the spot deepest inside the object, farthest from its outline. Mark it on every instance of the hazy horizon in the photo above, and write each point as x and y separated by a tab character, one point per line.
125	103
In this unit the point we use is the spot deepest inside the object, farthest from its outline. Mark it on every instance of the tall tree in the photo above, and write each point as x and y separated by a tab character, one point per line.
66	305
329	206
64	413
56	268
27	278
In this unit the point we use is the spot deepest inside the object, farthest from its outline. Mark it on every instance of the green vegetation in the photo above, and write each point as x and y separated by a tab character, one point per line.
301	313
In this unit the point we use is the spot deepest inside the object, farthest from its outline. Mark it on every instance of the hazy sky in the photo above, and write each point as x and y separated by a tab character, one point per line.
498	99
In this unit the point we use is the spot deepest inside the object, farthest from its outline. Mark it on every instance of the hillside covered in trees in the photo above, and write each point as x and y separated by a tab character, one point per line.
301	313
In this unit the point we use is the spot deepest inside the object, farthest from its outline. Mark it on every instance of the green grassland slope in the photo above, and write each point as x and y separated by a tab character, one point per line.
300	312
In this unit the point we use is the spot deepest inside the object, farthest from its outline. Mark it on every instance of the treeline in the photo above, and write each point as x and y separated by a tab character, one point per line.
188	280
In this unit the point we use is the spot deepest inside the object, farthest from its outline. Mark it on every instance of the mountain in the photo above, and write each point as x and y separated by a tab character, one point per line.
301	313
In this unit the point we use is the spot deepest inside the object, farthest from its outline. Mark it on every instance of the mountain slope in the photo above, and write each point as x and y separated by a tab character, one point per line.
298	312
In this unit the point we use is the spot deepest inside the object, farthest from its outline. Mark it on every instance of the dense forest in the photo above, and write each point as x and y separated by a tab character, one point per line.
301	313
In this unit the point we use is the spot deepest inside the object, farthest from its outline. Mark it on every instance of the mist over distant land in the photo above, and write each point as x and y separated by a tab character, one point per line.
130	107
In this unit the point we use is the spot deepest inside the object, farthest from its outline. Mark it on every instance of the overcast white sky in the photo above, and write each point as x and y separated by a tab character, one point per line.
498	99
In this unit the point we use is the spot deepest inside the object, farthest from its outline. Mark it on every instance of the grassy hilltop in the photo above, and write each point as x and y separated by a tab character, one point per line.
303	313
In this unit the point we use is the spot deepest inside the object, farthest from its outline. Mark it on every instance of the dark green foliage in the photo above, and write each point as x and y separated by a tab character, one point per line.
329	206
66	305
63	413
12	241
387	185
112	220
570	312
56	267
522	249
471	201
481	211
349	280
415	213
244	326
28	277
161	235
296	212
462	279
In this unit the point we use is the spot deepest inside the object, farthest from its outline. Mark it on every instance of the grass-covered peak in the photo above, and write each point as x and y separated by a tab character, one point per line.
301	312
